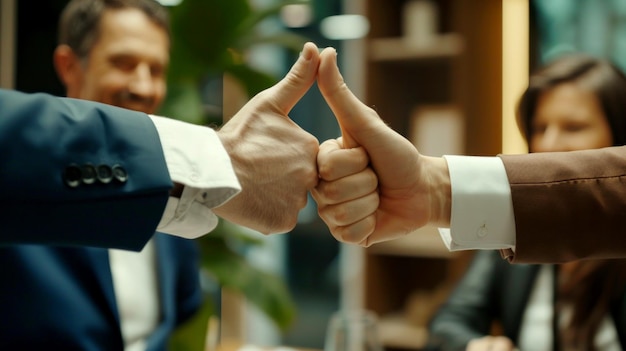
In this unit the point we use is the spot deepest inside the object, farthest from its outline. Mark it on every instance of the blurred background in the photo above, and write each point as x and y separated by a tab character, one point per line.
444	73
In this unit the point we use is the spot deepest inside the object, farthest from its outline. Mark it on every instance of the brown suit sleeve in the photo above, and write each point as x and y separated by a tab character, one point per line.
568	205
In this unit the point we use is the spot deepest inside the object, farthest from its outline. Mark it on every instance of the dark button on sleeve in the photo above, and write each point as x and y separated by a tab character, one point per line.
88	173
105	174
72	176
120	174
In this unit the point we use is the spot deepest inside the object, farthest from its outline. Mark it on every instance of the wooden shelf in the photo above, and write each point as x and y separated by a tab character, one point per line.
460	67
444	46
425	242
397	332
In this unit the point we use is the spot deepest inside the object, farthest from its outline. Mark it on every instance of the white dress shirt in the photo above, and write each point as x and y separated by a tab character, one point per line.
482	207
135	283
536	330
195	158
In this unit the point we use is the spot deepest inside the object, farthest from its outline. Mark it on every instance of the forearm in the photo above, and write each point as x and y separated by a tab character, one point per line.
569	205
43	137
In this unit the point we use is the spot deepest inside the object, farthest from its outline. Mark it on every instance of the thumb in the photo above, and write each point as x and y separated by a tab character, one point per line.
298	80
352	115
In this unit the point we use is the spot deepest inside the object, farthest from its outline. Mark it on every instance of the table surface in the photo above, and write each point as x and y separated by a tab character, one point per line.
234	345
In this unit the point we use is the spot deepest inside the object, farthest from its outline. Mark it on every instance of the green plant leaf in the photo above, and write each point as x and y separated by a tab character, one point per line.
288	40
211	37
207	28
265	290
255	81
183	101
190	336
256	17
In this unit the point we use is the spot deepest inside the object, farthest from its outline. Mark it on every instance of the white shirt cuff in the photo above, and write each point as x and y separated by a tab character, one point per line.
482	208
196	158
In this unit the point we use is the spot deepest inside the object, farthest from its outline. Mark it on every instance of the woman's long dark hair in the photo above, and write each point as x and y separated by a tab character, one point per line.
595	285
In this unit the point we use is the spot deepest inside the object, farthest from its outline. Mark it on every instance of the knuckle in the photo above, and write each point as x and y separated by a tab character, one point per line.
313	180
372	178
349	235
300	203
342	234
340	214
289	224
325	170
331	192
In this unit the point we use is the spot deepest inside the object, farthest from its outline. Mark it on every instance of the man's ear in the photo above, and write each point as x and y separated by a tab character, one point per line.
68	67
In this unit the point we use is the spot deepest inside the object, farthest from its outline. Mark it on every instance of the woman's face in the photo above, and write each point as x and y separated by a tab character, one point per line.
569	118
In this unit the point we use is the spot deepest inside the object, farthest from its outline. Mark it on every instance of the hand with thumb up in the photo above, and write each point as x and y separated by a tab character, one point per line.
374	185
274	159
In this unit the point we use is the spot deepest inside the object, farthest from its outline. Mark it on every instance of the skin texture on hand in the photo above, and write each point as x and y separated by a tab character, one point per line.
407	191
491	343
273	158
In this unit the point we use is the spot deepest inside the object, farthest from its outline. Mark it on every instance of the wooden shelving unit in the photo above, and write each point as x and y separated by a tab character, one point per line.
461	67
399	49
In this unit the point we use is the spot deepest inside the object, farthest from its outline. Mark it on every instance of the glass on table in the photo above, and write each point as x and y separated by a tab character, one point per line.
353	330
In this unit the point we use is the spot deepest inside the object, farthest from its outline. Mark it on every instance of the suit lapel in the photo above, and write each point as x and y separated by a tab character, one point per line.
520	282
167	284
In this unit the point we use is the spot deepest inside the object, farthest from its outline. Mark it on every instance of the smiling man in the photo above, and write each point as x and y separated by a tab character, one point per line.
119	60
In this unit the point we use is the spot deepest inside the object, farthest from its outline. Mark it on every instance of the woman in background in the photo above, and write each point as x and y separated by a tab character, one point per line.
576	102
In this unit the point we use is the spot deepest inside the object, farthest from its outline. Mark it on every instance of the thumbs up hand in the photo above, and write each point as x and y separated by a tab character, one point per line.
273	158
374	185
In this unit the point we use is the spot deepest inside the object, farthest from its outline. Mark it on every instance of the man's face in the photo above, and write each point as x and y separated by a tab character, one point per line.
127	65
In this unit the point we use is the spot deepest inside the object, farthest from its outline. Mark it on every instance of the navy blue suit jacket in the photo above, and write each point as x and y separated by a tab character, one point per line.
62	298
45	140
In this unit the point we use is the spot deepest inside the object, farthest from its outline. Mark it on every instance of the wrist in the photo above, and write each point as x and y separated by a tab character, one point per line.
439	190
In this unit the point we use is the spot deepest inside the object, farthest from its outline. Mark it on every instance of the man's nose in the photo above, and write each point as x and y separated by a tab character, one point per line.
142	83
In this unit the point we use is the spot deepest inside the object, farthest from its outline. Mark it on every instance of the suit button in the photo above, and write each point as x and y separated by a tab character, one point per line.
72	175
482	231
88	173
120	174
105	174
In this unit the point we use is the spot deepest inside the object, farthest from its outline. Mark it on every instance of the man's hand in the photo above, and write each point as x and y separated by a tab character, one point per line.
491	343
411	190
274	159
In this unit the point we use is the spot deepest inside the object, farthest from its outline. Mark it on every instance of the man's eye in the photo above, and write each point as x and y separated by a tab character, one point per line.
124	64
157	71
